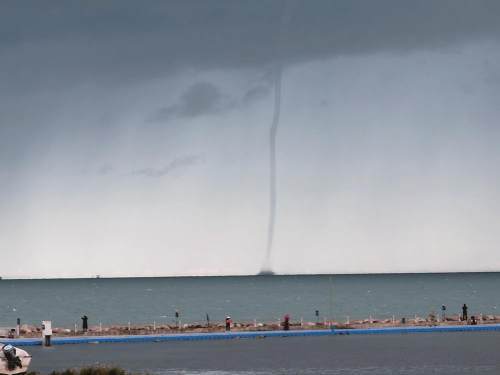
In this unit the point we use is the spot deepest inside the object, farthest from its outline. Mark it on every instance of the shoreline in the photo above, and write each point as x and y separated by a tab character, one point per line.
30	335
31	331
58	340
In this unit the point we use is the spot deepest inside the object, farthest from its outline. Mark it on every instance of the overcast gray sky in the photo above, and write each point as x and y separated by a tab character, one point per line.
134	136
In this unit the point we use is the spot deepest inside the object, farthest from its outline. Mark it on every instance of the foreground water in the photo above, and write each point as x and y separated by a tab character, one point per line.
264	298
413	354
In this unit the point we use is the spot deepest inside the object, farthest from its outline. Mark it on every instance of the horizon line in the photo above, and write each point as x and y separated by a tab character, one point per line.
276	274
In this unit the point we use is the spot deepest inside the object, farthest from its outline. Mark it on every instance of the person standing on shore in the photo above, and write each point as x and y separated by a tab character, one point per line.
286	322
443	313
177	318
85	324
464	312
228	323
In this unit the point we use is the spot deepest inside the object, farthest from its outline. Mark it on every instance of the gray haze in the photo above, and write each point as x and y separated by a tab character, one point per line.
134	138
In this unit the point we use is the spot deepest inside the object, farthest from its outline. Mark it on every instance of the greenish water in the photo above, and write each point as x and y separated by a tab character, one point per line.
265	298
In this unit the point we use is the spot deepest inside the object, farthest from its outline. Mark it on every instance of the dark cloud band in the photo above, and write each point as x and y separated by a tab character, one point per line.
61	43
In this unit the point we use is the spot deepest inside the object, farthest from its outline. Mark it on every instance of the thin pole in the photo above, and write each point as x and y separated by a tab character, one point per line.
331	302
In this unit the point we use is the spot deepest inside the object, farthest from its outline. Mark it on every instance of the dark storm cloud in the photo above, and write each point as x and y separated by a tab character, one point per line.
66	42
200	99
204	98
256	93
178	163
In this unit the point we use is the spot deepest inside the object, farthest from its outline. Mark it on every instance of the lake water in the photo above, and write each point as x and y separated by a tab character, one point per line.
265	298
409	354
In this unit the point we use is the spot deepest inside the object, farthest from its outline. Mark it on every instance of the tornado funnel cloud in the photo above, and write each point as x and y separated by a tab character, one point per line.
267	266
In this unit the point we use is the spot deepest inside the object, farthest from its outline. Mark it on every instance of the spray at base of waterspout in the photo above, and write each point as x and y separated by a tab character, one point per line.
266	269
266	272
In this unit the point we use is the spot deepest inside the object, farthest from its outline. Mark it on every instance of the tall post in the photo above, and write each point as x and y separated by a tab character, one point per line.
331	302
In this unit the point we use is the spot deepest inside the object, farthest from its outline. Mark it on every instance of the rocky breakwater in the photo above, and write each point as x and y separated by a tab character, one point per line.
150	329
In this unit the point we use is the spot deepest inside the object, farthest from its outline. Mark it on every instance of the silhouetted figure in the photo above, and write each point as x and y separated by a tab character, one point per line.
286	322
177	315
85	323
208	321
464	312
228	323
317	315
443	313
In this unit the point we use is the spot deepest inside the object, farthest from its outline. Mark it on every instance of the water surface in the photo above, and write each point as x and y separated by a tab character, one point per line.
144	300
410	354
